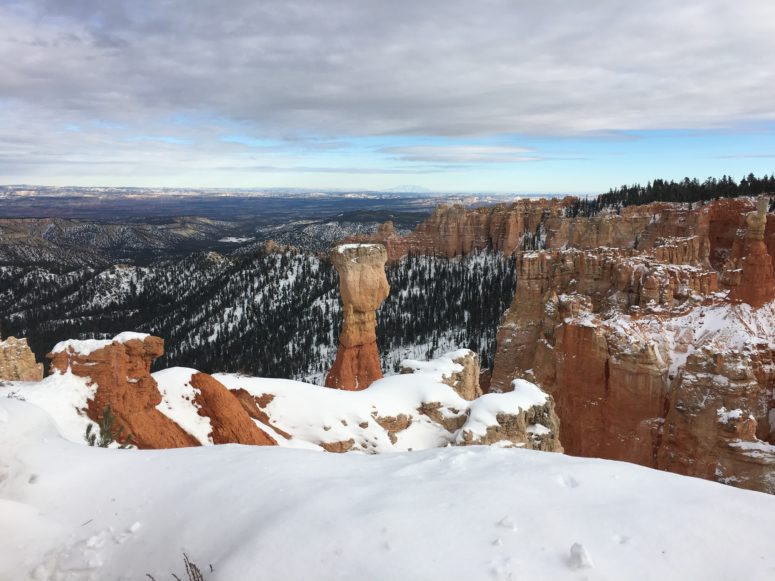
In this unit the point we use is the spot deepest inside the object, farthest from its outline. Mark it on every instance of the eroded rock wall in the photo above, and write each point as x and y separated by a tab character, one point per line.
652	355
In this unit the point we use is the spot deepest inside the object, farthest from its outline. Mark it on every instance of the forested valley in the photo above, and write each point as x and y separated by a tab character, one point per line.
265	314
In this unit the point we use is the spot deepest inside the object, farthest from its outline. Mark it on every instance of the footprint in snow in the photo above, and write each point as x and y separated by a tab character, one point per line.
568	481
507	523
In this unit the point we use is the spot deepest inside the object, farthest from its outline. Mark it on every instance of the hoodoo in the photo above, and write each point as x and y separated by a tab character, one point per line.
17	362
363	286
757	283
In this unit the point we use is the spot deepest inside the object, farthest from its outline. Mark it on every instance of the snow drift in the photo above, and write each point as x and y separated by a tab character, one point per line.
75	513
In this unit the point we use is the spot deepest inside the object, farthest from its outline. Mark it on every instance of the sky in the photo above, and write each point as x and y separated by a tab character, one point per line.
515	96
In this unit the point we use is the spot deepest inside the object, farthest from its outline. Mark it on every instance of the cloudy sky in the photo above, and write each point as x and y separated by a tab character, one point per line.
517	95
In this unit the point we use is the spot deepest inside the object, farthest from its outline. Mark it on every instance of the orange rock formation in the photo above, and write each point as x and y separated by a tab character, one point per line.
119	372
363	286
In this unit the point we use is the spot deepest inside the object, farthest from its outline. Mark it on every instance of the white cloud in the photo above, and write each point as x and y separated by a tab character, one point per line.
333	69
463	154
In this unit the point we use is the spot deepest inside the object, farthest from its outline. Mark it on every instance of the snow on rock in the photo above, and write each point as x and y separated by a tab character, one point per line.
453	513
179	402
402	412
459	369
343	248
88	346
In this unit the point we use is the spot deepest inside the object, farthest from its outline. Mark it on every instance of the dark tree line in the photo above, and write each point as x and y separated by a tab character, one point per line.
685	191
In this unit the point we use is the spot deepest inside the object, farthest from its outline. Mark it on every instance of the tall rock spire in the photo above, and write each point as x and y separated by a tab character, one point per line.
363	286
757	281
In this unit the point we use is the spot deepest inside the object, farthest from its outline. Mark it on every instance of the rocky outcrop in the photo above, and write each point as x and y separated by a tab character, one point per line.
119	373
463	375
17	361
230	422
534	426
453	230
363	286
553	285
648	352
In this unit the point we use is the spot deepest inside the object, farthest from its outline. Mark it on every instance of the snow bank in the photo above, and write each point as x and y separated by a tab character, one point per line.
441	366
485	409
63	396
242	513
178	402
87	346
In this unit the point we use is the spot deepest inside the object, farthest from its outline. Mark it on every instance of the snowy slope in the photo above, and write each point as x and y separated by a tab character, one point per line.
69	512
319	415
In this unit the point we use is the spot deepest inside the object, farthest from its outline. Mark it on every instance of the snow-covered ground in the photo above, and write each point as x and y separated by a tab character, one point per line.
74	513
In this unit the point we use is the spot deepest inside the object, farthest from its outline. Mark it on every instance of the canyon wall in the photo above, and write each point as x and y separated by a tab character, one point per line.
547	224
363	286
658	351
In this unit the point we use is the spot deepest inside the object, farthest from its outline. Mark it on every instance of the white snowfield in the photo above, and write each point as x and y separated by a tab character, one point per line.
240	513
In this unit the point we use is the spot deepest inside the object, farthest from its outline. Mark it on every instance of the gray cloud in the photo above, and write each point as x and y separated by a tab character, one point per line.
293	70
463	154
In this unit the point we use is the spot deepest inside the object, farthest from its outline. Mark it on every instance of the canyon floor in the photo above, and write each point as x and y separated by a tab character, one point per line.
245	513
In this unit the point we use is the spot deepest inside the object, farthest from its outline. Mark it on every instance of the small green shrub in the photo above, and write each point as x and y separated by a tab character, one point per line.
109	432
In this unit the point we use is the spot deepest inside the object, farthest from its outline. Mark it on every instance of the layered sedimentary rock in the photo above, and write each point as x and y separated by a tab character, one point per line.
17	361
652	355
453	230
119	374
363	286
708	229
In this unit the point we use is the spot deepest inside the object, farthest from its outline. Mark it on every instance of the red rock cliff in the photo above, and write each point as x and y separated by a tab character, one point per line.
648	352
